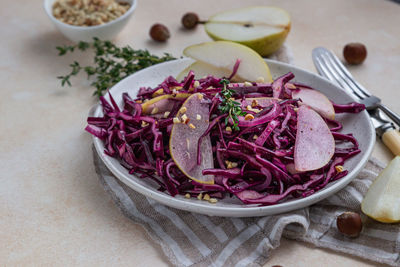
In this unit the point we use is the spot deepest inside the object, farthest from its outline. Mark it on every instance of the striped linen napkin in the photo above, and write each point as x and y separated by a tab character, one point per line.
190	239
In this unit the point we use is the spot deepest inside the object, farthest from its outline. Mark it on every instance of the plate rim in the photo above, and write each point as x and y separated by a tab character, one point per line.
246	211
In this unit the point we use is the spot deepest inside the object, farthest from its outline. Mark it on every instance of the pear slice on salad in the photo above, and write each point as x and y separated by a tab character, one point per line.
161	103
202	69
317	101
193	123
382	201
314	145
224	54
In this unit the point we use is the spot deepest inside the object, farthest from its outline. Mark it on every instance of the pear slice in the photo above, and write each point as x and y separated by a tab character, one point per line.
382	201
223	54
317	101
262	28
161	103
185	136
202	69
314	145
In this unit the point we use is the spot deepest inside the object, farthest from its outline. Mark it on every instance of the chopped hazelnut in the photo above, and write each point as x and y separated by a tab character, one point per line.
230	164
290	86
247	84
192	126
187	195
248	117
196	84
206	197
176	120
166	114
200	196
339	168
182	110
228	129
184	118
260	80
253	109
154	110
200	96
213	200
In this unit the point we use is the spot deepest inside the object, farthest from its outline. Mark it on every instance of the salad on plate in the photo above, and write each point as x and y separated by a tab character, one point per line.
213	138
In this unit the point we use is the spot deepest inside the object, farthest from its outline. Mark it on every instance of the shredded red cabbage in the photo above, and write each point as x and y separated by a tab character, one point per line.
252	164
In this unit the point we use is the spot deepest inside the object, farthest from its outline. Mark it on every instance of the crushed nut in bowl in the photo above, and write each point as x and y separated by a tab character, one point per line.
88	12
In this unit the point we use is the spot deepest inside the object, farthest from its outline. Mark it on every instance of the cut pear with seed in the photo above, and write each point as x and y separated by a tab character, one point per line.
382	201
262	28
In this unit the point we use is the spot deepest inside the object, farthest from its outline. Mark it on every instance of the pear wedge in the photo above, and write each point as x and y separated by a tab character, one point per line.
184	138
382	201
317	101
262	28
223	54
202	69
315	145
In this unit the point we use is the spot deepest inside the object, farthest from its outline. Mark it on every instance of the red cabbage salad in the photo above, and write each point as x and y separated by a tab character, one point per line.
211	138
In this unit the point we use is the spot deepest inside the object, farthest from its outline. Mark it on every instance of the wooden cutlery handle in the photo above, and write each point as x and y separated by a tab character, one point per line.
391	139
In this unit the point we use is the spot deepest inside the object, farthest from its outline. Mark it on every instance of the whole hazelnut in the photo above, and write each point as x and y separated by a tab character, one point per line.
190	20
355	53
159	32
349	224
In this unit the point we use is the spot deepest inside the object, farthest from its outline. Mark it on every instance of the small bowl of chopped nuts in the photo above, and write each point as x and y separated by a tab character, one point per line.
82	20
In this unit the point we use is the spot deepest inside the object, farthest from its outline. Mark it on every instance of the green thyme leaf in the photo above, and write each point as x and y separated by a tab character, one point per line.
111	63
228	105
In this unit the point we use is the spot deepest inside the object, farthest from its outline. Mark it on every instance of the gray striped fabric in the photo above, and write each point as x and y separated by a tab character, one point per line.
190	239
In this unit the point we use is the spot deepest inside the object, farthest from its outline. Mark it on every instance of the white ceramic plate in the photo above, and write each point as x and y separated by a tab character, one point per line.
358	124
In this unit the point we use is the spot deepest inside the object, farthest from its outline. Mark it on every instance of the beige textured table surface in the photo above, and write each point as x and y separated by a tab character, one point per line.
53	210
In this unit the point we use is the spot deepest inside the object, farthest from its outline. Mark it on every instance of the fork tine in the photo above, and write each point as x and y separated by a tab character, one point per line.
322	69
321	66
348	75
339	76
326	70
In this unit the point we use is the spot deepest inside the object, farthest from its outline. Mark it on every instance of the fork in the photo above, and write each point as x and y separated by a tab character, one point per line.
331	67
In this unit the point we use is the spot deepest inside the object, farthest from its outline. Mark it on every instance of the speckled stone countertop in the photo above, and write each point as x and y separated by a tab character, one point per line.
53	211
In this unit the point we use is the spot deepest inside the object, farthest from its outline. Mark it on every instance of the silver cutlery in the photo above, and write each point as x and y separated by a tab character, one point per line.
330	67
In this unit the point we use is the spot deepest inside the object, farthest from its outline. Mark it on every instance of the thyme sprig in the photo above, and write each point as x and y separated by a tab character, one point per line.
111	63
230	106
